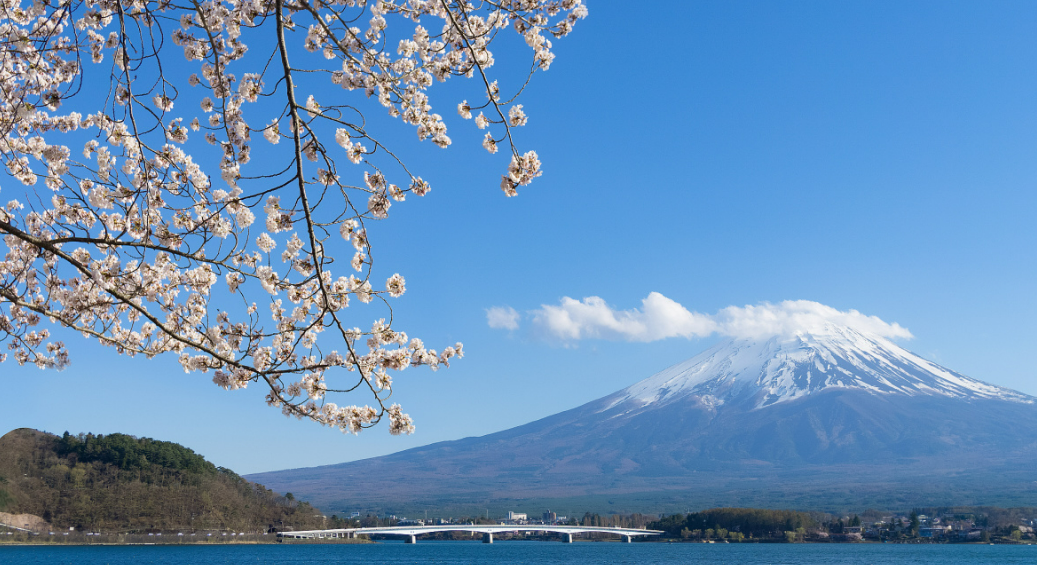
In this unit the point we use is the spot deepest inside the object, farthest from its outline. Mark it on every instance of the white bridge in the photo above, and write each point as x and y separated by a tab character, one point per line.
410	533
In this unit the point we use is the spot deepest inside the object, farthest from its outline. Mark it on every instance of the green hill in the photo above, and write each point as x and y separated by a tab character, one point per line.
120	483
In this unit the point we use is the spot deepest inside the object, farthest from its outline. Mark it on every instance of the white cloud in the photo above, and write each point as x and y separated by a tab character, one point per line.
793	316
502	318
661	317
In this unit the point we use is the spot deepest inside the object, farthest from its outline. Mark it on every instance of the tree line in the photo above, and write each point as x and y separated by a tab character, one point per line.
132	454
737	524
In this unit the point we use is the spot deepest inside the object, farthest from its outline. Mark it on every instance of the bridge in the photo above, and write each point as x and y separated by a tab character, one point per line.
411	533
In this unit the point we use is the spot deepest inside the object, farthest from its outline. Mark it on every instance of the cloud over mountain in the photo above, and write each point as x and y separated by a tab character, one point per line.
799	316
660	317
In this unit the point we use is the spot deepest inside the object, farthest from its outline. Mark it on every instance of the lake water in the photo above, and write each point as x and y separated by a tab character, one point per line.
524	553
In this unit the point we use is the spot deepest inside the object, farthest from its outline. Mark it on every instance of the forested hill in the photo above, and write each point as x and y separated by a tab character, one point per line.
118	482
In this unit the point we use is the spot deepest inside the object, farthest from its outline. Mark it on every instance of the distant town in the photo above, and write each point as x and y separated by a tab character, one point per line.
740	525
514	518
937	525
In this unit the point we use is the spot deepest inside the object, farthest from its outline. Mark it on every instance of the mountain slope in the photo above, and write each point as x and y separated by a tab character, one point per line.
121	483
807	411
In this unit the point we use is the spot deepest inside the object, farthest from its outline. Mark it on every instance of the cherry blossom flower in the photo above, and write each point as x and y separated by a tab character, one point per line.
489	143
395	285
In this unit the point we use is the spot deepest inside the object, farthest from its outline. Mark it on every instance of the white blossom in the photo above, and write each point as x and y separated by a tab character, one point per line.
265	242
378	204
342	138
489	143
516	117
272	133
163	102
464	110
395	285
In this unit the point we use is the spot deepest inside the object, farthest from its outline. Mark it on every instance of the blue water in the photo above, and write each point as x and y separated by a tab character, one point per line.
524	553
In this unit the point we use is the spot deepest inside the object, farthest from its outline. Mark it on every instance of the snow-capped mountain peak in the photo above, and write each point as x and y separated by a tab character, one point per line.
780	369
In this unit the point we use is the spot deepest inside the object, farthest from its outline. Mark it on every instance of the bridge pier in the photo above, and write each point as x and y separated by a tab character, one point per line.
628	539
568	537
411	539
487	537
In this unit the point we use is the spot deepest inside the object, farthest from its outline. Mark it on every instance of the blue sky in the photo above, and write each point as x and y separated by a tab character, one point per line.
877	156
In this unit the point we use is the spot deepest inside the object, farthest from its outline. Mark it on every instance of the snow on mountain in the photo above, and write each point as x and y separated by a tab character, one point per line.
759	373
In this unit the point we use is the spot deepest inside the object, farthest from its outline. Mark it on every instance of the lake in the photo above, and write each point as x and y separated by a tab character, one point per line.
523	553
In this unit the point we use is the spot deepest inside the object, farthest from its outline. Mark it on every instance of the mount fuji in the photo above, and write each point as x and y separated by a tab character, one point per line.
830	417
755	374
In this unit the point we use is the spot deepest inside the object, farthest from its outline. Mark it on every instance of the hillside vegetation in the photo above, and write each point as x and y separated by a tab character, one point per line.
754	523
121	483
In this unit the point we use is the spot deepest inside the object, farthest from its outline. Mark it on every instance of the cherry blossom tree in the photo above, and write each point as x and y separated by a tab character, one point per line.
132	126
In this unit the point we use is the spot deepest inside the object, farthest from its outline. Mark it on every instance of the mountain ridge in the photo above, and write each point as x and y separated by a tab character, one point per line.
808	411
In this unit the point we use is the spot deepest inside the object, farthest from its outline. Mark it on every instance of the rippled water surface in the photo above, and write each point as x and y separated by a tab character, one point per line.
523	553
